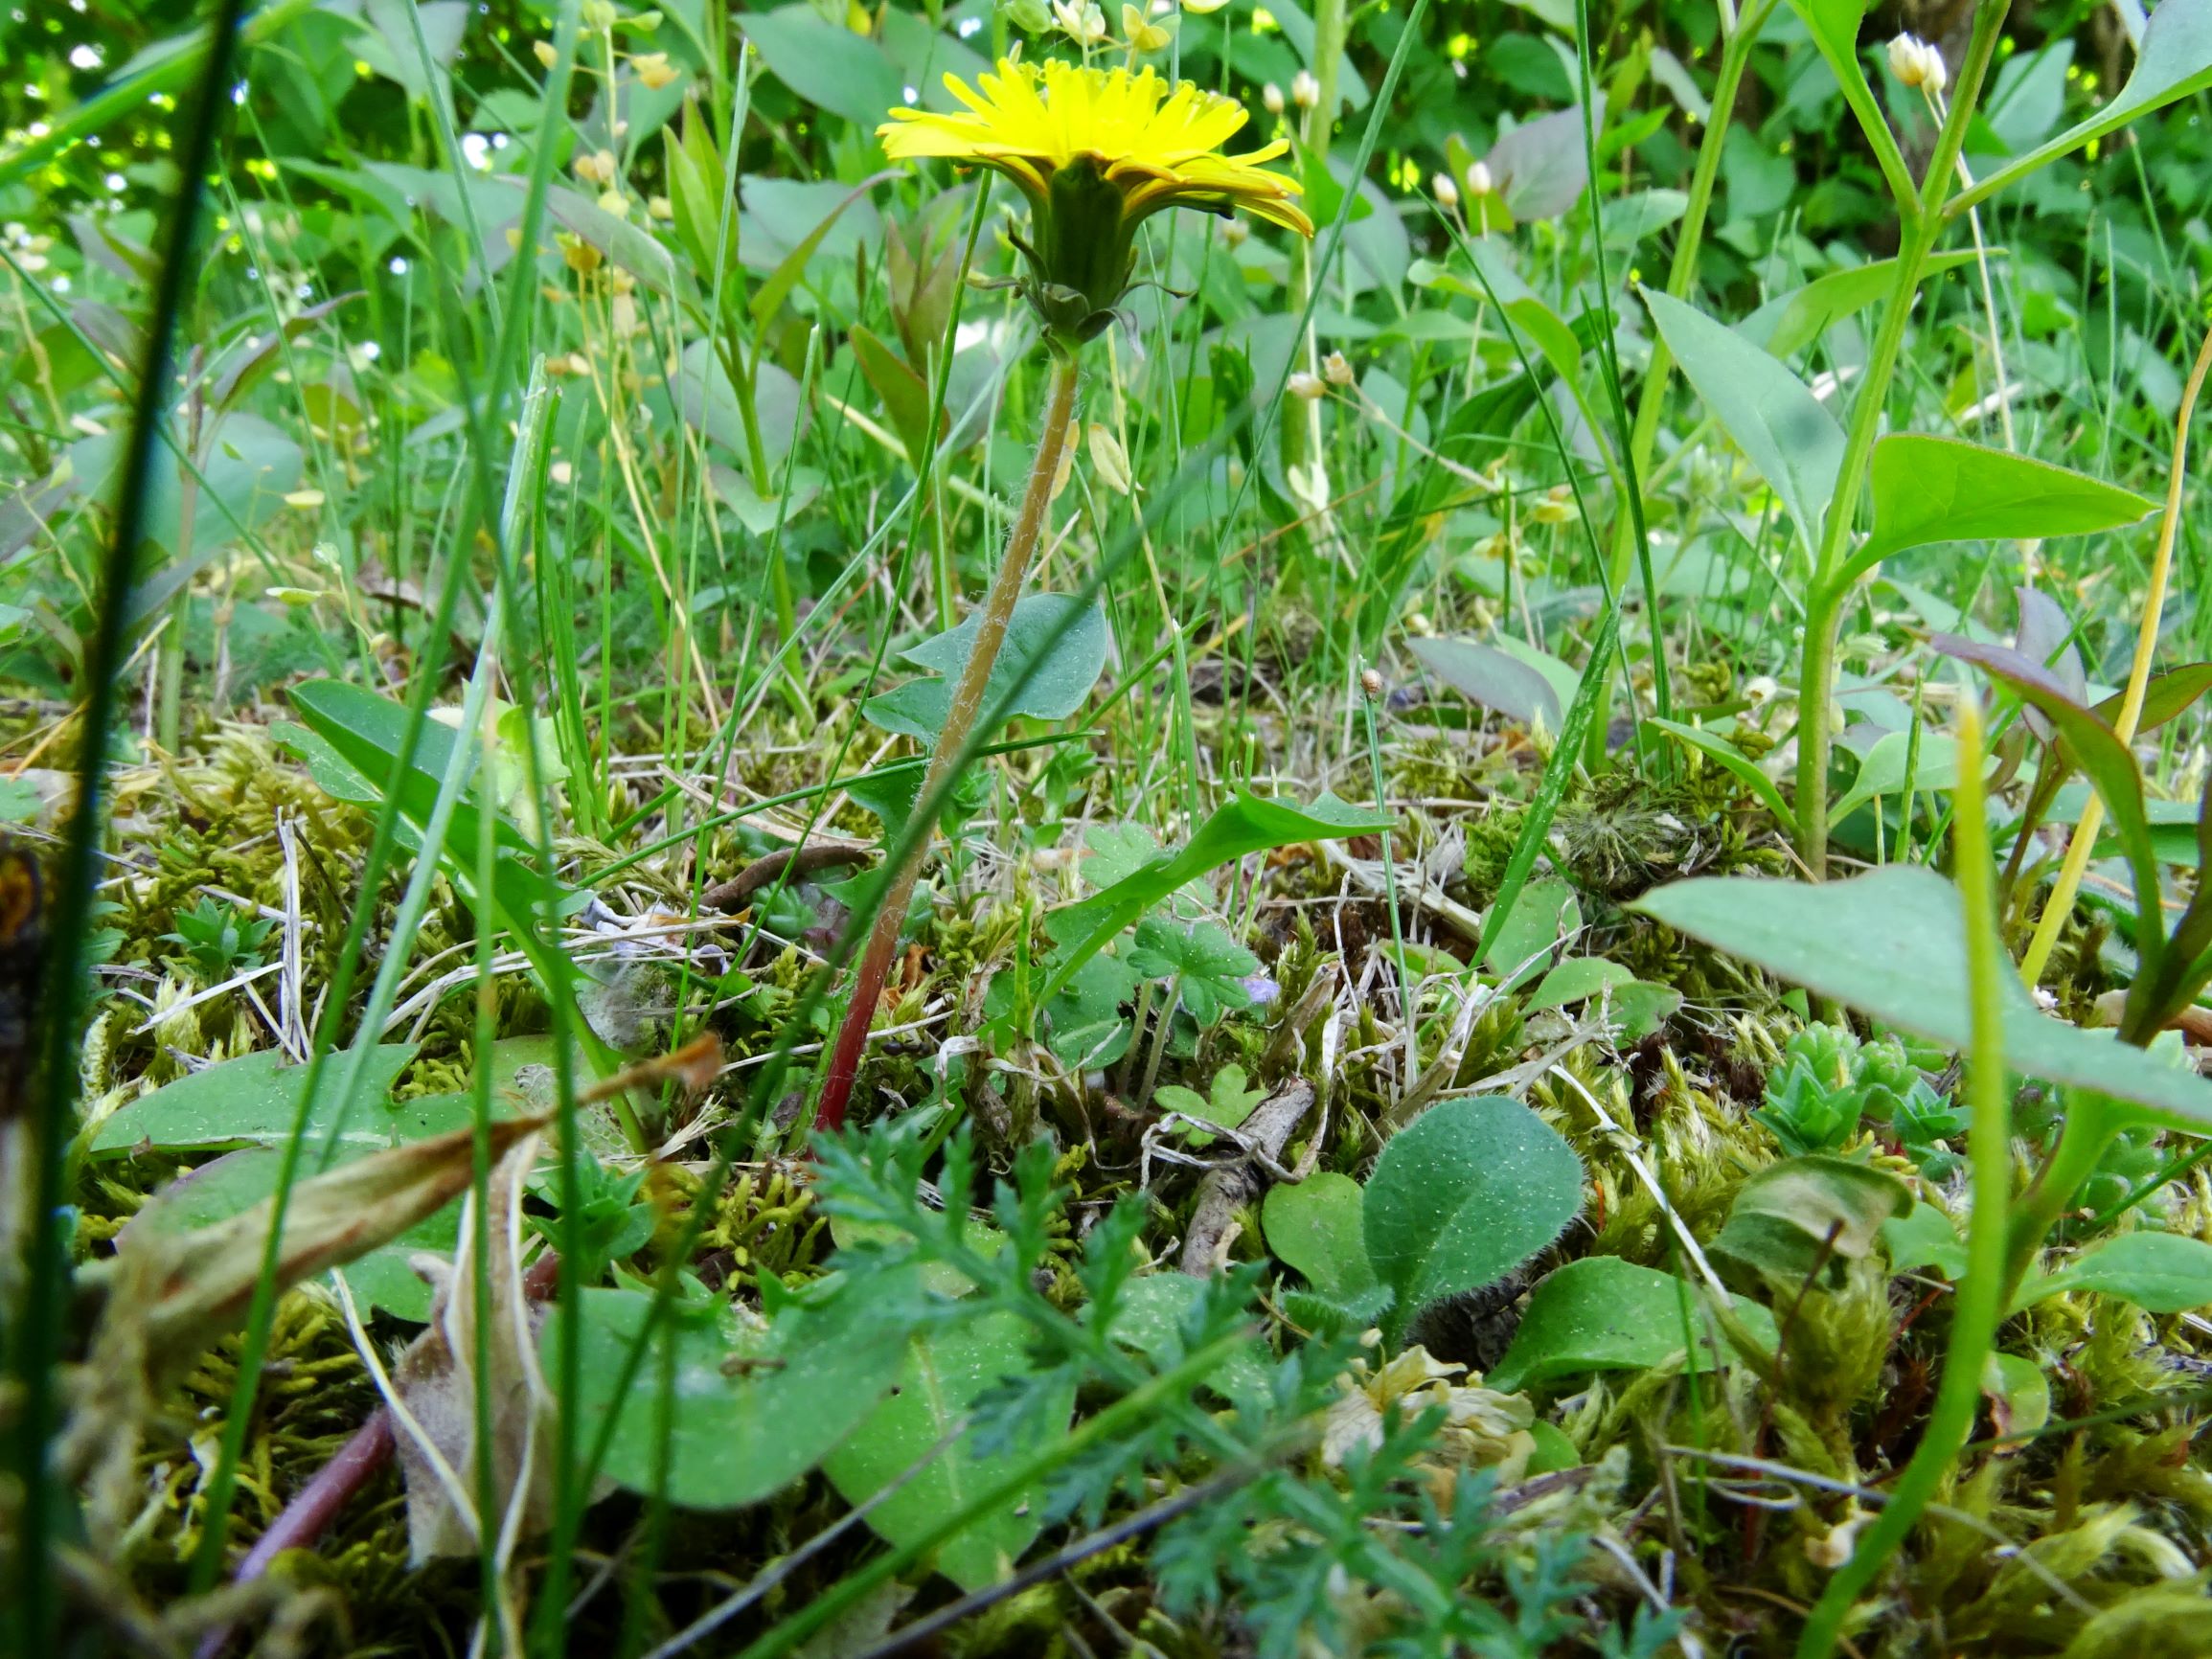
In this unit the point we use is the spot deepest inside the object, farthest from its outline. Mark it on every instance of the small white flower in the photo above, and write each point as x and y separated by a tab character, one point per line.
1306	386
1446	192
1083	24
1335	369
1479	183
1271	98
1304	90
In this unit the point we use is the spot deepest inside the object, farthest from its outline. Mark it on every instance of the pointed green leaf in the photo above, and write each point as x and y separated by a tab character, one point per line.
1892	943
1928	490
1781	428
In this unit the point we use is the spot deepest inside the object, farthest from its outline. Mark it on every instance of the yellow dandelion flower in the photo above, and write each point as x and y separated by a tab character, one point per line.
1098	152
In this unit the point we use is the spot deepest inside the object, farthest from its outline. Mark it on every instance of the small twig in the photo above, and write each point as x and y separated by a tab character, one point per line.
318	1504
1229	1187
797	862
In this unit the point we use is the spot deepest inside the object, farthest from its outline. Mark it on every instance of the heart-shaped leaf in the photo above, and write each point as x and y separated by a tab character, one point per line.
1063	639
751	1408
1318	1227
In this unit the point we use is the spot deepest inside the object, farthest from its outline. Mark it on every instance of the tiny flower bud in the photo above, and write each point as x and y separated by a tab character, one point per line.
598	13
1271	98
1306	386
660	207
1200	8
1234	232
544	53
1936	71
1304	90
1446	192
1905	61
1370	683
1109	460
1335	369
614	202
654	70
1478	180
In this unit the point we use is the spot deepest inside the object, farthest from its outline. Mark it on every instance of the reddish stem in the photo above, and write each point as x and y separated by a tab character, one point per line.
951	739
315	1505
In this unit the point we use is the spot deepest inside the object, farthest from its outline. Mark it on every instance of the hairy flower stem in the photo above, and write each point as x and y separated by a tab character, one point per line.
951	740
1986	1288
1833	581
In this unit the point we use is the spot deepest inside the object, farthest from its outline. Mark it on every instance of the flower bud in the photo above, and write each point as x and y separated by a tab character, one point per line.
1908	60
1234	232
1304	90
1306	386
1446	192
1200	8
1271	98
1109	460
1479	183
1936	71
654	70
1335	369
543	51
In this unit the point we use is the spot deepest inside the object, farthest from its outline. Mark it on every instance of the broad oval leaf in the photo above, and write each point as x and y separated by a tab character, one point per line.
1465	1195
749	1410
1778	423
1492	678
1603	1313
946	1371
1928	490
2162	1272
253	1100
825	63
1892	943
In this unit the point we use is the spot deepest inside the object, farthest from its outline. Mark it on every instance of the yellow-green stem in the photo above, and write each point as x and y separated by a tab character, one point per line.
2062	904
1984	1290
1833	582
951	741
